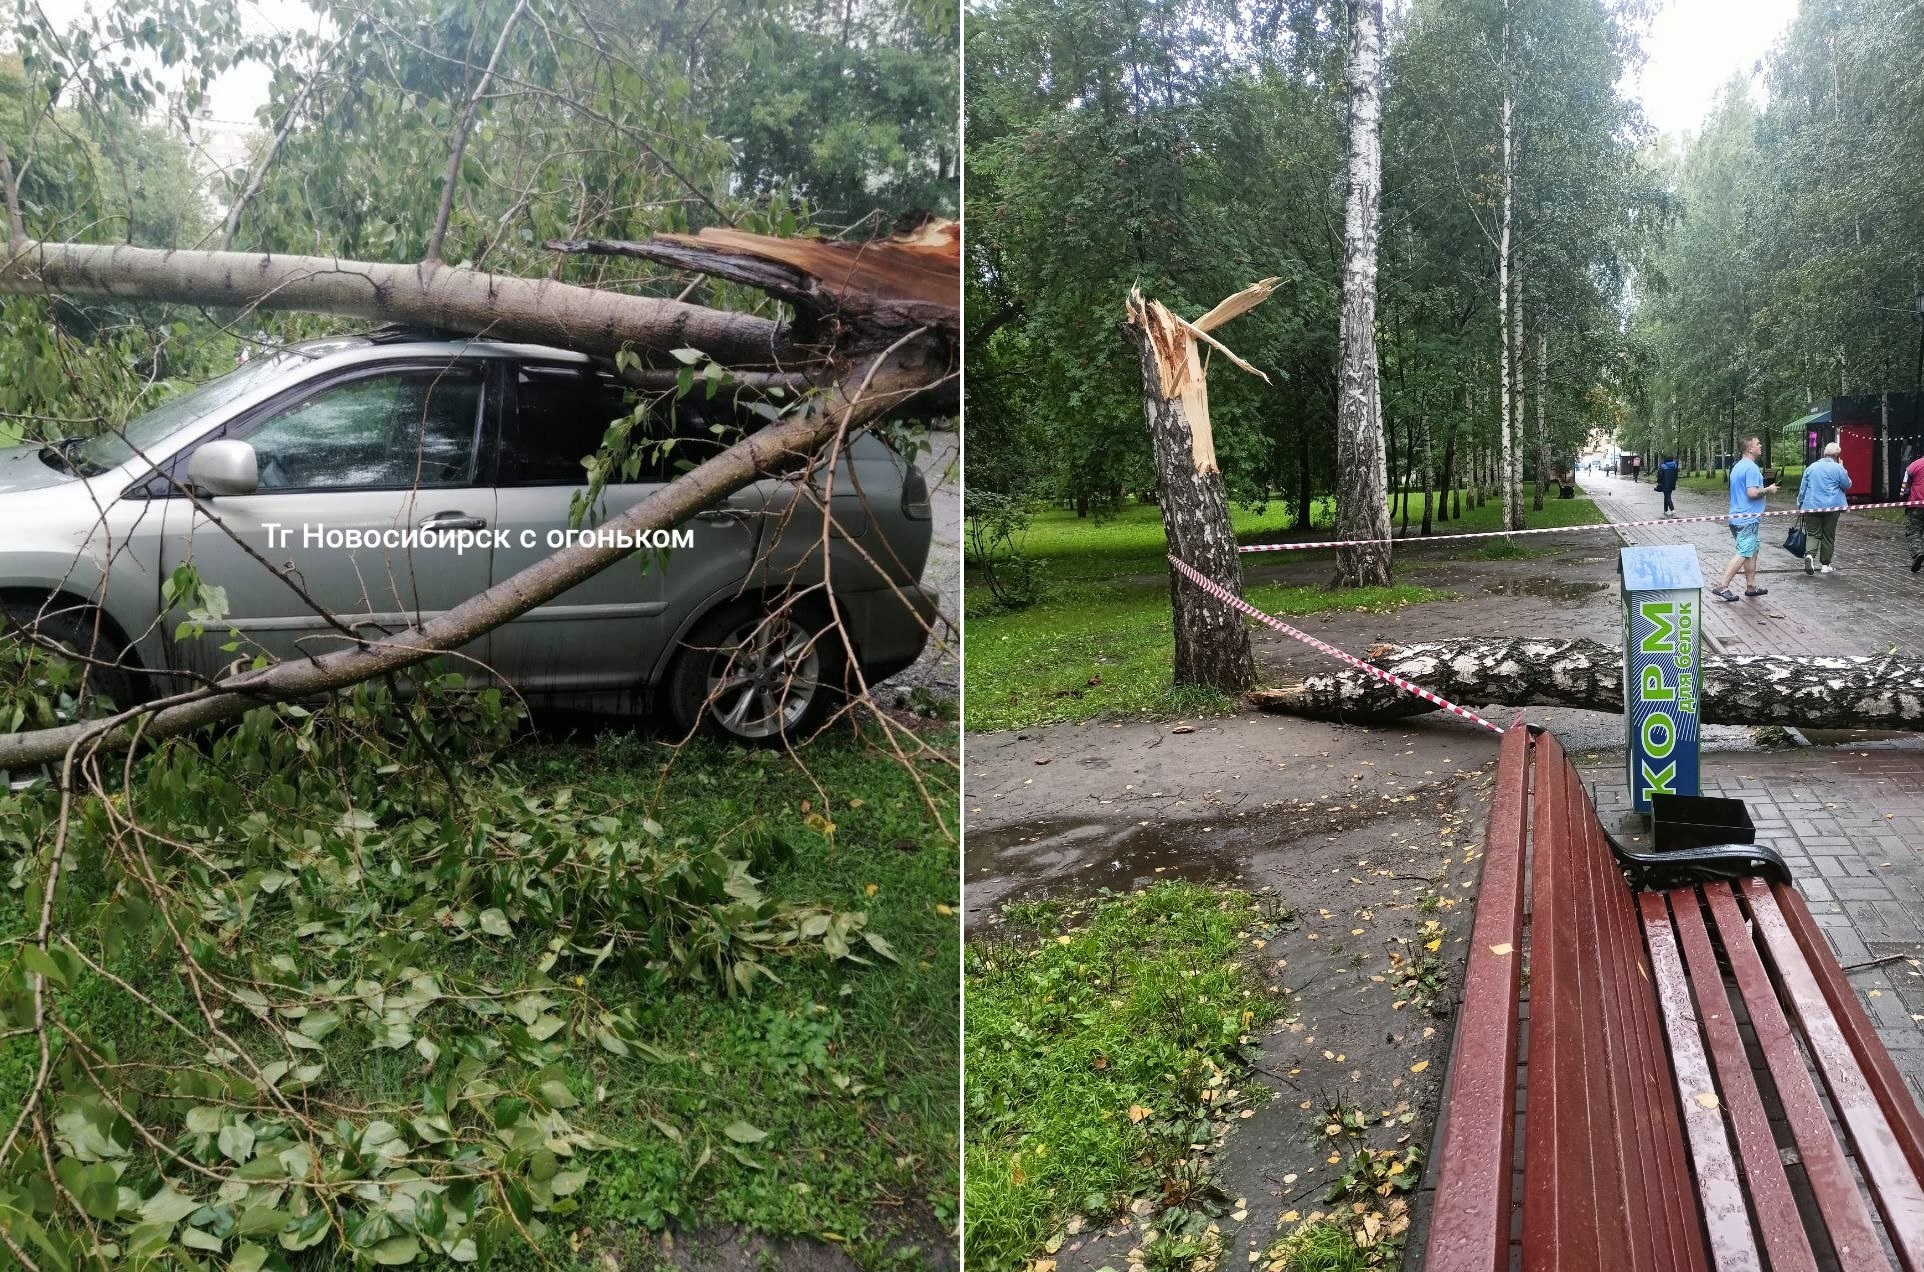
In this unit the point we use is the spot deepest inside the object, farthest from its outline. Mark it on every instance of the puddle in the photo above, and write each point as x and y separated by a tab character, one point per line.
1887	739
1078	856
1552	589
1081	856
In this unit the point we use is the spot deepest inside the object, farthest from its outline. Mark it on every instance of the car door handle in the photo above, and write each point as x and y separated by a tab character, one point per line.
722	514
452	521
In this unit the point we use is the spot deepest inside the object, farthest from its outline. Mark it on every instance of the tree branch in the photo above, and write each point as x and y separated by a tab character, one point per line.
461	138
16	227
274	147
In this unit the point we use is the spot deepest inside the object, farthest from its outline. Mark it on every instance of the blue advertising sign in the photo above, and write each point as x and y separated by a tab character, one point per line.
1662	599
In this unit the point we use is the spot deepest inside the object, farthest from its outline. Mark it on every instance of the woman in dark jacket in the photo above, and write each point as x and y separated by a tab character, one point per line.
1667	484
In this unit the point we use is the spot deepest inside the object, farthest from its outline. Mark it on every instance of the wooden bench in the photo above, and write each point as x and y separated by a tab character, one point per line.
1691	1081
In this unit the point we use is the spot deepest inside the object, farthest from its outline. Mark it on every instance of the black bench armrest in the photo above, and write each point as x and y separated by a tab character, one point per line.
1662	871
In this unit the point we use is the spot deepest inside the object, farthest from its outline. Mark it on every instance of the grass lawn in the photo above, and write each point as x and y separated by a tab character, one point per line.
1099	641
817	1102
1102	1041
1718	484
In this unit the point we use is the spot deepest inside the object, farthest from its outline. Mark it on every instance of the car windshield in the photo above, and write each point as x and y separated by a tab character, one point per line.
97	454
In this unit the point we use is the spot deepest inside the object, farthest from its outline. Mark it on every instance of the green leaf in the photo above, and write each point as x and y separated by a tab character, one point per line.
95	1186
237	1141
167	1206
744	1133
86	1129
431	1214
43	963
248	1258
319	1024
495	923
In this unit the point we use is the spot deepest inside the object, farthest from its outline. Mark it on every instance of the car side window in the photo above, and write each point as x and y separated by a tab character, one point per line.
562	414
396	430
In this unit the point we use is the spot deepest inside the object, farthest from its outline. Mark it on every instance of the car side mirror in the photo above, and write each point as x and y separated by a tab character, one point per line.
225	467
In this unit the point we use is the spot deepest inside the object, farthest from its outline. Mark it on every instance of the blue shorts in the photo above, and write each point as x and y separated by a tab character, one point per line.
1746	537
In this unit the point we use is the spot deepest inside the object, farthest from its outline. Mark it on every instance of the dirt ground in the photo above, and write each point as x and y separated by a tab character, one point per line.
727	1248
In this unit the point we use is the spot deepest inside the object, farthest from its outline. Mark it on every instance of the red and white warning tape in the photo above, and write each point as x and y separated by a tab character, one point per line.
1268	620
1510	534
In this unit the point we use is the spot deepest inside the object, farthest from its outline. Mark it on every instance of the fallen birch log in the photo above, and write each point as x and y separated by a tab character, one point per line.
1805	691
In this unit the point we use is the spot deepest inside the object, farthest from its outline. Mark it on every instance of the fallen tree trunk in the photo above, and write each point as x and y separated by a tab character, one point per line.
427	294
1802	691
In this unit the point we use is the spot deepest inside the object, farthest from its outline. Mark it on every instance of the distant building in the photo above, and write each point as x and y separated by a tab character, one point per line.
1865	424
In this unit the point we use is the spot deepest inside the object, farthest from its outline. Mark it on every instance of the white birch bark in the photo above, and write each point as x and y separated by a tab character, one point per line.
1506	460
1543	419
1362	500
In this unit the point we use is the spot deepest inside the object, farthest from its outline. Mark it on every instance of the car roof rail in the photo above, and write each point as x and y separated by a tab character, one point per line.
403	333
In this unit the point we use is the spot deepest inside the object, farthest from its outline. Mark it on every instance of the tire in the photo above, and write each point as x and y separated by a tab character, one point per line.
75	626
747	676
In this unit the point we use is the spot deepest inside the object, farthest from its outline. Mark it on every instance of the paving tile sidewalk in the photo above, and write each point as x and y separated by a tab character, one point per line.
1871	603
1851	825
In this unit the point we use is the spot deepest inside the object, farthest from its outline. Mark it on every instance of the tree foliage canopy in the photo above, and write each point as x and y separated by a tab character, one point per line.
1193	147
1798	246
601	121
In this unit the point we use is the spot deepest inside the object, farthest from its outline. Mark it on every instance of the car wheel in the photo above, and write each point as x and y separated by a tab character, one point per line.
749	676
73	627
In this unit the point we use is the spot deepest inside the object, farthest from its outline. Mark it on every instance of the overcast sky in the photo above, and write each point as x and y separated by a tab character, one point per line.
1695	46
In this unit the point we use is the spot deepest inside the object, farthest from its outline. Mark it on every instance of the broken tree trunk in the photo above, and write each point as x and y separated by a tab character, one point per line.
1802	691
1362	508
1212	642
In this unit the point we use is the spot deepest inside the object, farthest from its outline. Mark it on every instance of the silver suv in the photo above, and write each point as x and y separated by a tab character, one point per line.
340	461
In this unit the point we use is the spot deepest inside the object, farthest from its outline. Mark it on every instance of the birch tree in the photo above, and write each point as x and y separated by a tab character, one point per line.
1506	368
1362	507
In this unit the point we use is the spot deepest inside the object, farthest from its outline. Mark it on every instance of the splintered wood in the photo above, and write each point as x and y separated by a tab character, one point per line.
1174	340
912	278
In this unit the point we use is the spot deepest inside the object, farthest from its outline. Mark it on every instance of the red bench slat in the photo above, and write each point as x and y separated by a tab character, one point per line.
1559	1204
1678	1239
1719	1192
1618	1043
1899	1196
1473	1233
1776	1209
1829	1172
1907	1120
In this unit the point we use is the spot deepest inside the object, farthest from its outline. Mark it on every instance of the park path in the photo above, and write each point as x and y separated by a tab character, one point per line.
1870	604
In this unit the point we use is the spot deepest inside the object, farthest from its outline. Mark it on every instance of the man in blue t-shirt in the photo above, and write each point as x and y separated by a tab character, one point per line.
1747	491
